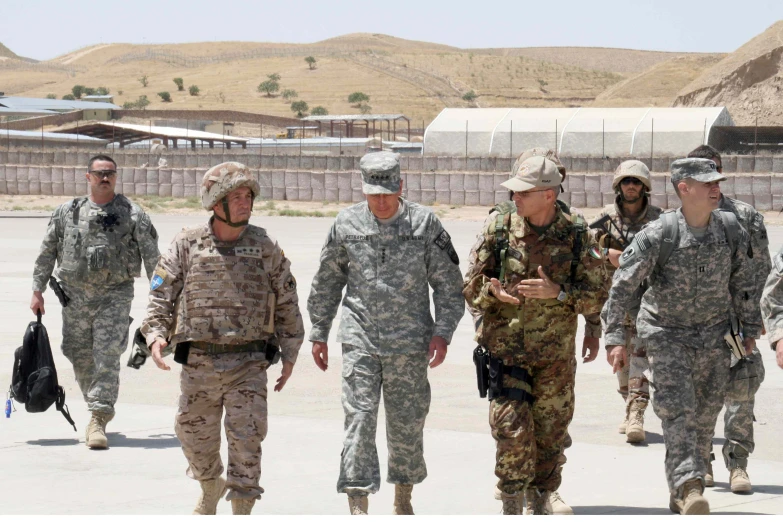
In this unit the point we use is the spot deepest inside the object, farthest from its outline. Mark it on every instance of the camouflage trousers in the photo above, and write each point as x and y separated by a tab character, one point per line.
631	380
745	381
211	385
531	438
406	401
689	387
95	335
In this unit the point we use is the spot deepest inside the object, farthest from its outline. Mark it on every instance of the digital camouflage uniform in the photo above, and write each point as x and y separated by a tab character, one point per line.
226	293
747	375
772	302
99	250
386	328
537	335
682	320
631	379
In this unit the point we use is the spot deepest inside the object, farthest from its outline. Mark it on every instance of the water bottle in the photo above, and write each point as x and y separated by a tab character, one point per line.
8	408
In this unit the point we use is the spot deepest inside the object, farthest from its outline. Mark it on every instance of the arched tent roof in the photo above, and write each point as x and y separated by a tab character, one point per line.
589	131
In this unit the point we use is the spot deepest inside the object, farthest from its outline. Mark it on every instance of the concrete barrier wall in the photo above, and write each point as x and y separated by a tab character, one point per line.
590	190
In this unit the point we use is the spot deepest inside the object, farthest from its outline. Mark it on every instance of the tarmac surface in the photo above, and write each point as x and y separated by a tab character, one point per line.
46	469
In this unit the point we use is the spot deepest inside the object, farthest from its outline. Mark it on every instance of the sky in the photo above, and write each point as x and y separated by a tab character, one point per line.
44	29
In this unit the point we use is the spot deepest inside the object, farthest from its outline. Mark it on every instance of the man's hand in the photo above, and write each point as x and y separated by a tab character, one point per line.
437	353
37	303
321	355
156	348
543	288
285	374
615	356
591	345
497	290
749	343
614	257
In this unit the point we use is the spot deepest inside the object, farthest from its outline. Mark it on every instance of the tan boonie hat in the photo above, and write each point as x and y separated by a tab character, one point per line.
542	152
536	172
632	169
380	173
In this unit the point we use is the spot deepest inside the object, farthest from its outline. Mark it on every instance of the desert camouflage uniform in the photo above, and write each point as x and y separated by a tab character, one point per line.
537	335
386	328
747	375
227	293
631	379
682	320
98	250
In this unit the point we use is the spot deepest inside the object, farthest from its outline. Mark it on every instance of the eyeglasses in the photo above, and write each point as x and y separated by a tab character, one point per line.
528	192
103	173
630	181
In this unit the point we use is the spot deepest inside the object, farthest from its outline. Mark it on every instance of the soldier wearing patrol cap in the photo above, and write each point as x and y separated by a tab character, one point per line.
529	277
225	296
385	252
631	211
696	292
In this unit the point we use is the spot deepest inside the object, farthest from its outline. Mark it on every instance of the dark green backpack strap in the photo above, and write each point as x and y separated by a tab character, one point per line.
732	226
502	224
669	239
580	229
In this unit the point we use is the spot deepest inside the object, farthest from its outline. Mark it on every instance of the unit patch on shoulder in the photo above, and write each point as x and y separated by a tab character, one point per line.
290	283
443	240
158	278
595	252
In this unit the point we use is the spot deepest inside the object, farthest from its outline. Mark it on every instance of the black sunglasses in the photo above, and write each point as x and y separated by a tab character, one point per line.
103	173
630	181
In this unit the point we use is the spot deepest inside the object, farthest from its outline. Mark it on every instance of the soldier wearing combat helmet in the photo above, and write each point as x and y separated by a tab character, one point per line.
225	296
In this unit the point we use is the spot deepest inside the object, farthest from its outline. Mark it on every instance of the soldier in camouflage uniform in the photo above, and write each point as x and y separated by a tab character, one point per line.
630	212
98	242
772	307
683	318
387	251
529	301
225	296
748	374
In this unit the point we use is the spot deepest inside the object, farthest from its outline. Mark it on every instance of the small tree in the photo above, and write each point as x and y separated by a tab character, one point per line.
274	77
364	108
51	96
142	102
193	90
77	91
144	80
319	111
311	62
103	91
69	97
469	96
357	98
180	84
165	96
300	107
88	91
287	94
268	86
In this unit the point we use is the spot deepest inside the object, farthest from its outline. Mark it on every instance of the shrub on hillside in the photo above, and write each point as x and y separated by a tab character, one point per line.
311	62
69	97
287	94
300	107
194	90
180	84
319	111
357	98
77	91
268	86
165	96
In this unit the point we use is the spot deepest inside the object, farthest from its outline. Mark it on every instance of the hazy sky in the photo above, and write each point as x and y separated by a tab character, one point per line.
43	29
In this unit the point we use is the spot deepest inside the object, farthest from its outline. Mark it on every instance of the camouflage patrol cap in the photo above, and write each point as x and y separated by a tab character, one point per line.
632	169
224	178
380	173
542	152
698	169
536	172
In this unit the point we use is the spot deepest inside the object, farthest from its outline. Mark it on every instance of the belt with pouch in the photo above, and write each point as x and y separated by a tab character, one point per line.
271	350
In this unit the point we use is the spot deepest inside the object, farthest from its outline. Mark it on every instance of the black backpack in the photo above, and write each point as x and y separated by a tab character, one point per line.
34	379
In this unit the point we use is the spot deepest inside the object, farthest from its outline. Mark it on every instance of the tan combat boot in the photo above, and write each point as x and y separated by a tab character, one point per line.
358	504
211	492
693	502
623	425
95	435
559	507
537	502
512	503
709	478
242	506
402	499
634	432
740	481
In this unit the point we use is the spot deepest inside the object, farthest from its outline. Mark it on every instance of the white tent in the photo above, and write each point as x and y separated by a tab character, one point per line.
574	132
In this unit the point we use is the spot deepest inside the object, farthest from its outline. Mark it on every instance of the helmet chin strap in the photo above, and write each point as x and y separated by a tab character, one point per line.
228	221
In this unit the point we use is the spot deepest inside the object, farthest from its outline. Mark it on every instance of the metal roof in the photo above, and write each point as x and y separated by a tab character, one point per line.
4	134
131	133
45	104
355	117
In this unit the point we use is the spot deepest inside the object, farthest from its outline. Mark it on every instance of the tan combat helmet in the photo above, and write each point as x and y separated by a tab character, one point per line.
542	152
632	169
223	179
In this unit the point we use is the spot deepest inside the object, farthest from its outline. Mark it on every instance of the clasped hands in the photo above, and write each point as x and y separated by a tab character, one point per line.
543	288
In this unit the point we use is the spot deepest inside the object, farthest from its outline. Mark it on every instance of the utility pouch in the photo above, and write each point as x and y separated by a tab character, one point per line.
734	338
481	360
97	257
272	354
181	352
495	378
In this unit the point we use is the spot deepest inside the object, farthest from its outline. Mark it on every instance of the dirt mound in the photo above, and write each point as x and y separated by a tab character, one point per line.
381	41
8	54
748	82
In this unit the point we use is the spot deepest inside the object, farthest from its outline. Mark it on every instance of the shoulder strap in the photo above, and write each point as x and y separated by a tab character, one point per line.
731	225
75	208
502	224
669	240
579	231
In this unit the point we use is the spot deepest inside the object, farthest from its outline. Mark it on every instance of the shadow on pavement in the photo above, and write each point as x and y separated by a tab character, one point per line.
53	442
767	489
619	510
650	438
118	440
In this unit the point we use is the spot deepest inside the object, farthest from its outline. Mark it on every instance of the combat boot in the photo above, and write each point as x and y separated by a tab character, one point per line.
402	499
709	478
242	506
95	435
212	491
358	504
537	502
740	481
634	431
512	503
693	502
623	425
559	507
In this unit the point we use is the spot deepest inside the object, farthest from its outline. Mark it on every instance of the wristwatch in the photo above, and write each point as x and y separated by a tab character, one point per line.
562	295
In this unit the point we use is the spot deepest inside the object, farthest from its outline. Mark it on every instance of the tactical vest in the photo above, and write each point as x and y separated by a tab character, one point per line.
97	245
227	295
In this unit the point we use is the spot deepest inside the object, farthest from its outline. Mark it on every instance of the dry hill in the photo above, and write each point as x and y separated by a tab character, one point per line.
747	81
